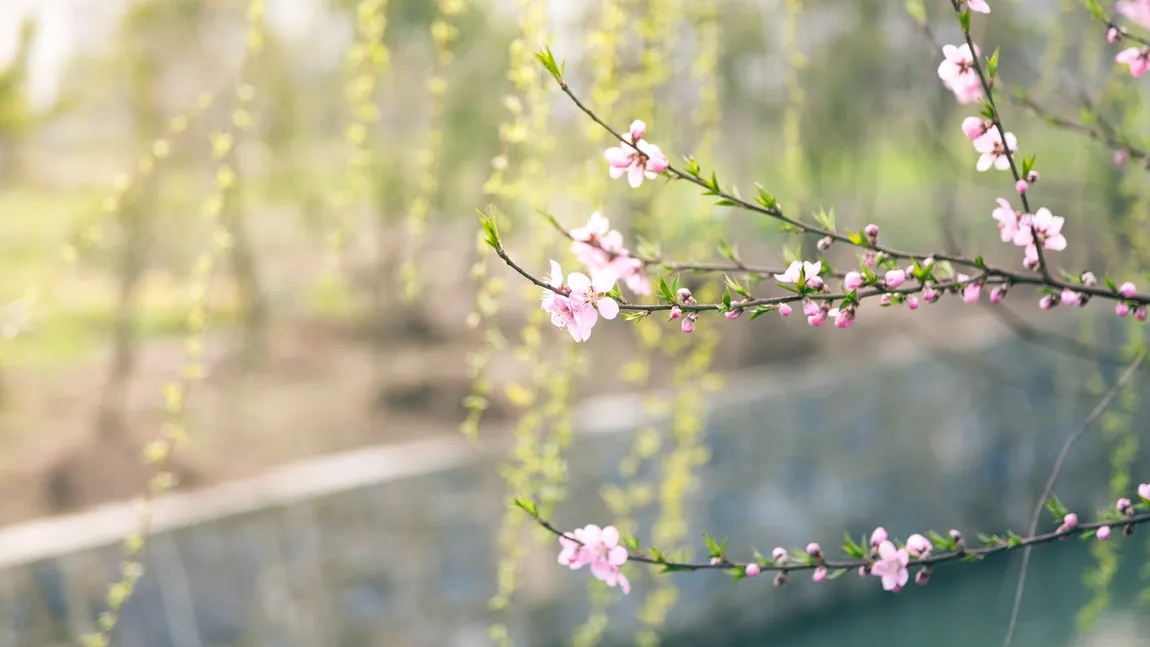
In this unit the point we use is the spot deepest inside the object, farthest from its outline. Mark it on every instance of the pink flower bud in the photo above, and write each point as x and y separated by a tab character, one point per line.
877	537
930	295
1103	533
884	300
1021	186
1123	505
1122	309
864	572
781	579
785	310
1070	520
852	281
1144	491
685	295
844	318
997	293
810	308
820	574
815	283
813	549
753	570
895	278
918	546
1119	158
733	314
779	554
869	259
825	243
922	576
973	127
1088	279
676	312
1113	35
715	561
1140	313
638	129
1071	298
1127	290
1032	176
688	325
1047	302
871	232
912	302
971	292
817	319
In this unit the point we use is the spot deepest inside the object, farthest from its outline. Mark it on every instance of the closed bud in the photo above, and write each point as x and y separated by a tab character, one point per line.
825	243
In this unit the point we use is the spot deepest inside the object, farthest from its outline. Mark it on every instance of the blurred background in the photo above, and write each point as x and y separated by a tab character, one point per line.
248	279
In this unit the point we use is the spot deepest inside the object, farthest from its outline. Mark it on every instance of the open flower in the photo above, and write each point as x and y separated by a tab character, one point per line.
1047	227
639	160
1007	219
958	74
599	247
1135	10
600	548
800	271
994	151
586	300
1137	58
891	566
977	6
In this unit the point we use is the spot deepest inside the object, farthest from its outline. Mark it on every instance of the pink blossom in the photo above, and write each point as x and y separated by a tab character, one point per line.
885	300
599	247
1103	533
844	318
918	546
733	314
1140	313
1137	58
1112	35
648	161
600	548
1047	227
1021	186
922	576
1088	279
997	294
1070	521
871	232
753	570
958	74
800	270
820	574
1007	219
810	308
912	302
1047	302
688	324
929	294
1144	491
785	310
877	537
779	554
895	278
978	6
891	566
971	291
1071	298
974	127
1119	158
994	153
1127	290
1135	10
813	549
685	295
1122	309
852	281
817	319
1123	505
676	312
580	309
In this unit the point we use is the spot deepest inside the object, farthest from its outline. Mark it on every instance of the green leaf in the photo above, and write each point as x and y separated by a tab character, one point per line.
851	548
675	568
527	506
548	60
490	231
665	293
760	311
1027	165
964	20
727	251
765	199
734	286
1110	283
726	203
1054	505
836	574
992	64
716	551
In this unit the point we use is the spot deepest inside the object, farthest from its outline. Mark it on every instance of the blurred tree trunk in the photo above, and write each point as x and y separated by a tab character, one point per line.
135	224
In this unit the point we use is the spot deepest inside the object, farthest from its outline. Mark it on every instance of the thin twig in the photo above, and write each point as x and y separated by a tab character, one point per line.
1070	440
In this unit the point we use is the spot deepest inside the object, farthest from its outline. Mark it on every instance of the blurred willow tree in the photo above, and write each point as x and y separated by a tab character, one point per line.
19	120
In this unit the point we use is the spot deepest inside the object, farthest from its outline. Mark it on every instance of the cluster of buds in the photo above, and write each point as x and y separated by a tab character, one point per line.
687	324
1128	291
816	312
